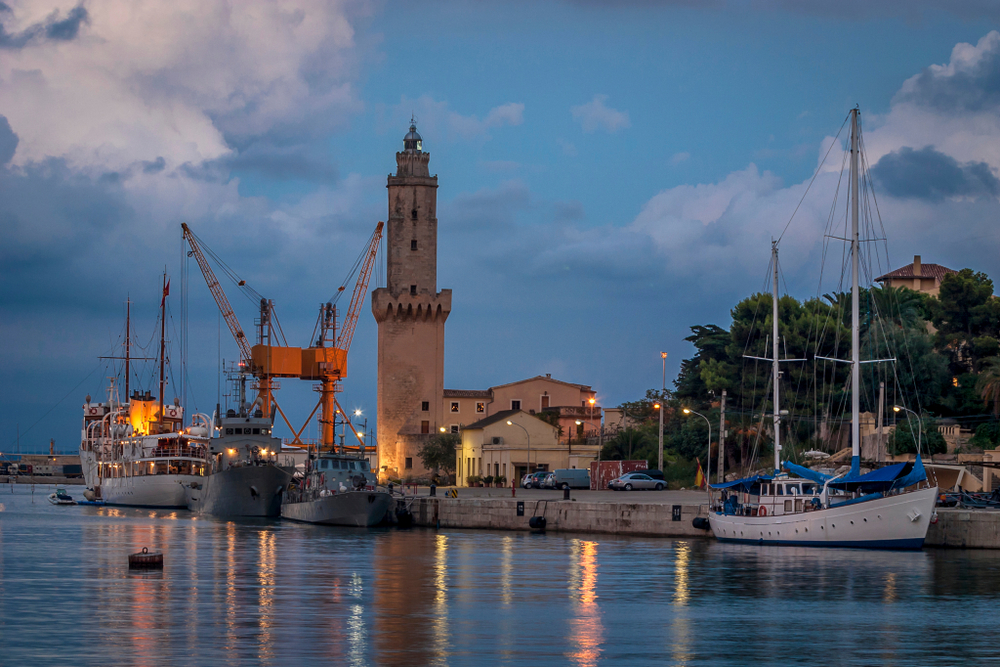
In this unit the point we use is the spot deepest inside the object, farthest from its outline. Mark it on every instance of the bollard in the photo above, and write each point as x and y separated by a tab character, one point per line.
565	493
433	490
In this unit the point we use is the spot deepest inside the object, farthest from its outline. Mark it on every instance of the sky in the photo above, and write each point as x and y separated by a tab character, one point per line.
610	174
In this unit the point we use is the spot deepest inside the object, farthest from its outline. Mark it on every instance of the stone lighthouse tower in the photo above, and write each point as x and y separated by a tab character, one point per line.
411	313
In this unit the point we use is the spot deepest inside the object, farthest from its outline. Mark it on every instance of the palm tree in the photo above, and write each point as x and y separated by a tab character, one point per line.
988	384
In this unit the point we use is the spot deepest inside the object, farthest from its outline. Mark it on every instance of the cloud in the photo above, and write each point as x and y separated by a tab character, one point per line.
930	174
596	115
677	158
440	121
8	141
52	27
187	81
970	82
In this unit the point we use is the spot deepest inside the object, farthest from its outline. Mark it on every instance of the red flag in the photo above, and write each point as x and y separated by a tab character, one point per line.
166	292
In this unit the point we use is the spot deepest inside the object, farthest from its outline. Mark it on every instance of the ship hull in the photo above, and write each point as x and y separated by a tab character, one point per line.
352	508
895	522
164	491
251	491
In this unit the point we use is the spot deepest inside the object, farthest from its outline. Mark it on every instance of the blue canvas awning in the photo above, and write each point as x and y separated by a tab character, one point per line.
895	476
805	472
742	484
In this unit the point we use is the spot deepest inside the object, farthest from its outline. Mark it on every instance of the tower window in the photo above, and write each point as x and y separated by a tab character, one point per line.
413	290
413	214
413	244
425	406
409	462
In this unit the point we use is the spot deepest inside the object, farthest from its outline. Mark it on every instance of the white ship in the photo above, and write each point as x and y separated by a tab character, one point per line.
888	508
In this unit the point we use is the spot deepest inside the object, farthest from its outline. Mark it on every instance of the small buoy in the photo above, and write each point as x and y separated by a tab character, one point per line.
145	560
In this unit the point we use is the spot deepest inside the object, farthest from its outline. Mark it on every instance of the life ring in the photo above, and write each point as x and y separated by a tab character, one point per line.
761	511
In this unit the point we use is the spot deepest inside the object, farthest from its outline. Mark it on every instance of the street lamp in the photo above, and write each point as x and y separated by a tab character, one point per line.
920	425
663	395
526	435
689	411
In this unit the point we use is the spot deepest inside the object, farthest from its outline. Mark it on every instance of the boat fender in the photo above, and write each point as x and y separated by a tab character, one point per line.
934	517
701	523
761	511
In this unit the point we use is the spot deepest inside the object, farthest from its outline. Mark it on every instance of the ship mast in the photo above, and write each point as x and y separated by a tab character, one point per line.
775	372
163	335
855	320
128	346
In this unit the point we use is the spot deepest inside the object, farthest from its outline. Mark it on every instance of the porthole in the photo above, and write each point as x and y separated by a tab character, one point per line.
852	522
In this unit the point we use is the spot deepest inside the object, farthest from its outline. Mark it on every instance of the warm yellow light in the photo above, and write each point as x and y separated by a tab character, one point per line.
592	401
656	406
663	355
232	452
686	411
510	423
443	429
578	422
895	408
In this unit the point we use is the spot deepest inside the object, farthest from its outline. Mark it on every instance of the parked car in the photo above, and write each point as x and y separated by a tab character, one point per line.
655	474
550	481
534	480
636	480
568	478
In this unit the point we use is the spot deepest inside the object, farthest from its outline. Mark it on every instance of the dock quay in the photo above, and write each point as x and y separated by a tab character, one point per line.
646	514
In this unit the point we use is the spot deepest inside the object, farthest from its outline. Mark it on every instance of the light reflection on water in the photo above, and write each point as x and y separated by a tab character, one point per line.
267	592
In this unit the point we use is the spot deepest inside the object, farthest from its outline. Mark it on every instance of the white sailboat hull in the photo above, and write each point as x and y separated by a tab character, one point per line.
895	522
167	491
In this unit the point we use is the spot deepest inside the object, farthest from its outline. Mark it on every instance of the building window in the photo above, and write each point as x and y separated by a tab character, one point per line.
425	427
413	244
409	463
454	428
454	406
413	214
545	401
413	290
425	406
515	405
480	407
504	469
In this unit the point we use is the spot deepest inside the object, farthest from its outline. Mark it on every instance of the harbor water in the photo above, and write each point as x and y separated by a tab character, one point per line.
277	593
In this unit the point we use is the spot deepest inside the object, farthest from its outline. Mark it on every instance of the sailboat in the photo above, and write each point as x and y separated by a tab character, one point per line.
887	508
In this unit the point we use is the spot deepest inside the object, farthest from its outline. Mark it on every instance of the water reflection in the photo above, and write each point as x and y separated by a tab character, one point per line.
587	632
266	592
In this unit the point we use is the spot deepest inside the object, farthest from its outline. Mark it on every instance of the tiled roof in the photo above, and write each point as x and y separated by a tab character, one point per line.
584	387
926	271
467	393
492	419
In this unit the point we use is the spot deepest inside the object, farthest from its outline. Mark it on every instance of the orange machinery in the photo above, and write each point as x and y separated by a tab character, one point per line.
325	361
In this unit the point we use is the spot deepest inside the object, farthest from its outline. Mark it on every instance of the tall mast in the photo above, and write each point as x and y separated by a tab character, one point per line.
163	335
128	346
855	327
775	373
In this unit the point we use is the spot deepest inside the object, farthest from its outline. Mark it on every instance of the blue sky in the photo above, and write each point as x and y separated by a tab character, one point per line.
610	173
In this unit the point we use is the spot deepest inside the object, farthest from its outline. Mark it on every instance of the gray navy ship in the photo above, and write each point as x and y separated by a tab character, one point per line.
247	479
337	490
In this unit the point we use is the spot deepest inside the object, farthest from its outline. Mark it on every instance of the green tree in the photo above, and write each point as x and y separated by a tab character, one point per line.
438	453
964	311
988	384
903	439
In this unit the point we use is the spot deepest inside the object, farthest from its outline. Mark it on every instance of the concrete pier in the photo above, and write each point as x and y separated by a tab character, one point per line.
965	529
632	514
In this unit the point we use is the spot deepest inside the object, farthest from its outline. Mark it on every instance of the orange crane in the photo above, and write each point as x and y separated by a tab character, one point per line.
325	361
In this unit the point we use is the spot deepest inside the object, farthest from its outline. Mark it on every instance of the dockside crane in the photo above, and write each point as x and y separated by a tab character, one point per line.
324	361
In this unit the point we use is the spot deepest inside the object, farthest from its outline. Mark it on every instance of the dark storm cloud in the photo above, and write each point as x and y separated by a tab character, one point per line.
284	163
972	87
931	175
8	141
154	166
53	27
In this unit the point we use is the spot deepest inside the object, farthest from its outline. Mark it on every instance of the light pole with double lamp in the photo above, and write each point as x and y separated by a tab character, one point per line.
708	462
663	396
920	424
526	435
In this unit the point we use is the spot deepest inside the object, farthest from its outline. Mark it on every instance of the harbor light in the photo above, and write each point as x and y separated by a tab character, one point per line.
444	430
687	411
357	412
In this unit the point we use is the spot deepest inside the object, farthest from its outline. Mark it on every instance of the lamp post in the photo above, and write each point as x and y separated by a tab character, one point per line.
708	461
920	425
663	396
526	435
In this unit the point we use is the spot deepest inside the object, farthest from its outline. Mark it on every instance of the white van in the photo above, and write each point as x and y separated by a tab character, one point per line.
571	478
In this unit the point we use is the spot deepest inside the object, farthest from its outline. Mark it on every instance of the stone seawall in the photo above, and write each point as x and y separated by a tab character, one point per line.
649	519
965	529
